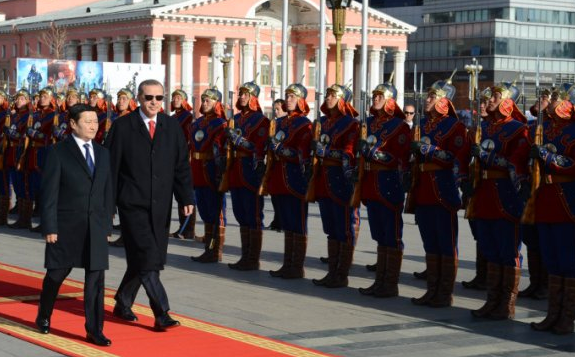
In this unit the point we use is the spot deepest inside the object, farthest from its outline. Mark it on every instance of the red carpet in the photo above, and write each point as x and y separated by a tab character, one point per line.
194	338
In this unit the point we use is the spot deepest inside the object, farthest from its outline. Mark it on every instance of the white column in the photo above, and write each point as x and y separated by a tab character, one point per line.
171	82
230	48
119	48
301	53
217	67
137	49
102	49
155	50
348	72
382	66
87	48
187	67
72	50
399	78
248	62
374	67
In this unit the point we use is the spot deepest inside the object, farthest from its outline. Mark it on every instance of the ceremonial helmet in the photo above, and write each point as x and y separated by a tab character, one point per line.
22	93
47	90
338	91
73	91
443	88
213	93
181	93
565	94
98	92
4	94
127	92
508	90
386	89
297	89
251	87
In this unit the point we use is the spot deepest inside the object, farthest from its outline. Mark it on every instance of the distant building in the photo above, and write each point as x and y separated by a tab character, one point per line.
505	36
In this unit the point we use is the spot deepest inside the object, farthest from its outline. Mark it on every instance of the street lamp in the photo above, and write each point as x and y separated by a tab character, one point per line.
338	9
226	58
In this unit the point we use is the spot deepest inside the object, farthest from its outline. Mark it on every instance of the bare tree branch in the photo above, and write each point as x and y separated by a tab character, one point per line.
55	39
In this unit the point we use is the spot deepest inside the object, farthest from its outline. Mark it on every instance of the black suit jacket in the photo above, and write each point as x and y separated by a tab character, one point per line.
77	206
146	175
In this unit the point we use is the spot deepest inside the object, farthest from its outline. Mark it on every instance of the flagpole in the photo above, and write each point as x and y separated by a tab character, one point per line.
363	77
321	61
285	12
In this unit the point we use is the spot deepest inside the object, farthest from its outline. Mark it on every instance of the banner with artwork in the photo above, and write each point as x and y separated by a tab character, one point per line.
34	74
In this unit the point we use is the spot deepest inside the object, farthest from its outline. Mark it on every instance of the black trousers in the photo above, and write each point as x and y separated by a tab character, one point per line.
93	296
150	279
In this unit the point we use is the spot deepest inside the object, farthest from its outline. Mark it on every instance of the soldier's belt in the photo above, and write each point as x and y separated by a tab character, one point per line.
240	154
430	166
550	179
494	174
36	144
202	155
375	166
330	162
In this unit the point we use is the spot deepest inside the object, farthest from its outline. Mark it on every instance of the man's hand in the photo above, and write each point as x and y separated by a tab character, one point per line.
476	150
415	147
51	238
188	210
536	152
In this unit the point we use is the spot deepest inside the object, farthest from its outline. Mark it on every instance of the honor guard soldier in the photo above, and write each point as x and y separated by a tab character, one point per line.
555	210
62	129
288	177
40	134
208	166
435	195
97	100
14	156
499	199
4	176
332	184
538	275
385	152
183	112
248	139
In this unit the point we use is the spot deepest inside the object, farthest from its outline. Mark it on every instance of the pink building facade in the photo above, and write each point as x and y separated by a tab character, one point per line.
189	37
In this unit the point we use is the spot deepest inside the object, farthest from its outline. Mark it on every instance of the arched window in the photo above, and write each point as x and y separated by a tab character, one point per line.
210	70
311	76
265	70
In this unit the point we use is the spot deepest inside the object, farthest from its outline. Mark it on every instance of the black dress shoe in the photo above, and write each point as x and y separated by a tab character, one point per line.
43	325
125	313
164	322
37	229
98	339
116	227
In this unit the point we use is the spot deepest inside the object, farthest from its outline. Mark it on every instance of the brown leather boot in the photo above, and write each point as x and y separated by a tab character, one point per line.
333	248
534	267
565	323
447	274
245	240
509	286
494	276
554	304
391	277
296	270
4	209
542	292
252	261
380	267
213	244
432	263
479	282
24	220
340	279
288	255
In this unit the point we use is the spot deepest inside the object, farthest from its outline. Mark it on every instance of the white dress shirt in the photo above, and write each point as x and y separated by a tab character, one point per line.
147	120
81	143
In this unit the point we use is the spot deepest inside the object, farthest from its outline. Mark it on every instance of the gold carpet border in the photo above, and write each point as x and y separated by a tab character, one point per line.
187	322
64	344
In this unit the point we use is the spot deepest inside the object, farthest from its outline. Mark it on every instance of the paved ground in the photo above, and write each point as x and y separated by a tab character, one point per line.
341	321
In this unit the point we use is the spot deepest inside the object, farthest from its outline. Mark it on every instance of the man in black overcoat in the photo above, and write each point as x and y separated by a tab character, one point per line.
149	165
77	206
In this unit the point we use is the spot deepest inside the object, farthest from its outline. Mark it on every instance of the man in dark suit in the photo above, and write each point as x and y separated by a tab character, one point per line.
77	206
149	165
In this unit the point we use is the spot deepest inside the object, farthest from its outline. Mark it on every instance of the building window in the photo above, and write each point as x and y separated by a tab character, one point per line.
39	48
27	49
311	78
279	70
265	70
3	51
210	71
14	50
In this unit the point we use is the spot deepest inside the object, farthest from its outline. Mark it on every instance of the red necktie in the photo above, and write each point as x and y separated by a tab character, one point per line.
152	128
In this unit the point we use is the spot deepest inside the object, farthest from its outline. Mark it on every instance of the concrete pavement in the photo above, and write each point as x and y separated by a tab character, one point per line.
336	321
